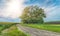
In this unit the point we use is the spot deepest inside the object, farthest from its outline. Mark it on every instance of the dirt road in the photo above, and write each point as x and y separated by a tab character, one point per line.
36	32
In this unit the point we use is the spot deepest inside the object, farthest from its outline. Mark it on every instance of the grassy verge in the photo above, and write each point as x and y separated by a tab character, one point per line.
5	26
9	29
13	31
49	27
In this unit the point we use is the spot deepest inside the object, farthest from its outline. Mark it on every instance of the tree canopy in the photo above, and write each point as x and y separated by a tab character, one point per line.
33	14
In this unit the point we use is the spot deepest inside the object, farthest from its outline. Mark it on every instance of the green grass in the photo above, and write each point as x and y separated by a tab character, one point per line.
13	31
49	27
5	26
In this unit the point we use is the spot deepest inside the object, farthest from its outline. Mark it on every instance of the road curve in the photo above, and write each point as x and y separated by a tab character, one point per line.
36	32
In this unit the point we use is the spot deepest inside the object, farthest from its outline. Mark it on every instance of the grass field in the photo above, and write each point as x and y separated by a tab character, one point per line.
49	27
11	30
5	26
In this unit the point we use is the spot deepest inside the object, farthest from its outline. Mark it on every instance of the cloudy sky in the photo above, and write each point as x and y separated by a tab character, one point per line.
10	10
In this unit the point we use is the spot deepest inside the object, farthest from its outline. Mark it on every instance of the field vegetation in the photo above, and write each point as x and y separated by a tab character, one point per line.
49	27
10	29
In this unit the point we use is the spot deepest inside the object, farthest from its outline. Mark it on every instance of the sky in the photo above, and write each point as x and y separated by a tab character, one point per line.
10	10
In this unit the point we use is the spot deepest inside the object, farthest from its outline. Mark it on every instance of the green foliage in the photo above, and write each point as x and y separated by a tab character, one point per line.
5	25
9	29
33	14
13	31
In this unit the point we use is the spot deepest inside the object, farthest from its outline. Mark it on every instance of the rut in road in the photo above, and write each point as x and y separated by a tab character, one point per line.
36	32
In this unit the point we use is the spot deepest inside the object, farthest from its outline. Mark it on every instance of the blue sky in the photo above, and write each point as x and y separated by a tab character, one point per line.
51	7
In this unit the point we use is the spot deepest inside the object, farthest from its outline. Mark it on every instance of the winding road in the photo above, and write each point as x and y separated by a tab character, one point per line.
36	32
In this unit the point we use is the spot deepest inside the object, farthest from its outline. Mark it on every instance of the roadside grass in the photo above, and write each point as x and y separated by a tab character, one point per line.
10	29
13	31
49	27
5	26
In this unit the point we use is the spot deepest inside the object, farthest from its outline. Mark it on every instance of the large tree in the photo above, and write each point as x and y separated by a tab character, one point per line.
33	14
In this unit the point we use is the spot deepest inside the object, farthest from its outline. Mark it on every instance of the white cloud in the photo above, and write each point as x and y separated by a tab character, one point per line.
13	8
